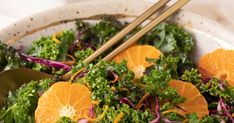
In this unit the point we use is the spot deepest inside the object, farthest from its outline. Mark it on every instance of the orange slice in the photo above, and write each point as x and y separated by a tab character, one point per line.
136	58
63	99
195	102
219	64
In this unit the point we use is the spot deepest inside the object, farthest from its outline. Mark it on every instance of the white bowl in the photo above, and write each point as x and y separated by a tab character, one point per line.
209	35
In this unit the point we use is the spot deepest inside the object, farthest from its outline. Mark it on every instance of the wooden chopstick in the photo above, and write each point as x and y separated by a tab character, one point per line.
126	30
147	28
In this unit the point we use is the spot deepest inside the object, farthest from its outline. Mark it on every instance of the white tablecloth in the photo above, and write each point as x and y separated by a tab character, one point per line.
12	10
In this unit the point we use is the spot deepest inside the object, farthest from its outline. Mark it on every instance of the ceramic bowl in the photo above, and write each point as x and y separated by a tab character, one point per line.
209	35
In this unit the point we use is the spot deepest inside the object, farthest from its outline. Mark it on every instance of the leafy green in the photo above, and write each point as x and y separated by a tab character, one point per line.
66	38
100	82
106	28
80	55
192	76
46	48
207	119
166	63
213	88
9	58
173	116
99	33
157	84
170	38
23	102
130	115
65	120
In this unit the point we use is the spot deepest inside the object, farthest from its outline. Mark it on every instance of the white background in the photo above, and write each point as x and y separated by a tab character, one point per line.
13	10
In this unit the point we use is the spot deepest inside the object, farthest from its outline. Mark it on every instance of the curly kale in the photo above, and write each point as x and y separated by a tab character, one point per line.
157	84
65	120
192	76
130	114
46	48
66	38
80	55
22	103
166	63
193	118
106	29
99	80
170	38
10	58
99	33
217	88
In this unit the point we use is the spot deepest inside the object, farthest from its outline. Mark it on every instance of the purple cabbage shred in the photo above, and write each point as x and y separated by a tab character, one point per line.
225	109
126	101
158	116
46	62
81	74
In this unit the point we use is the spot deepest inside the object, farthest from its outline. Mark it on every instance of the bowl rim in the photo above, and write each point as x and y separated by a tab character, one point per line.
11	32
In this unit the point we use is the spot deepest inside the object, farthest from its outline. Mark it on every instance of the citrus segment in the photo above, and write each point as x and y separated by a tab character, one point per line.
194	103
63	99
218	64
136	58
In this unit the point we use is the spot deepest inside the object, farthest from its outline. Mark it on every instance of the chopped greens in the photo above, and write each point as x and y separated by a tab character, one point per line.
170	38
118	96
10	58
22	103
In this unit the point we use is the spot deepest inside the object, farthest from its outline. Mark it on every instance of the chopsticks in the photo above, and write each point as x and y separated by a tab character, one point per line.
172	9
127	29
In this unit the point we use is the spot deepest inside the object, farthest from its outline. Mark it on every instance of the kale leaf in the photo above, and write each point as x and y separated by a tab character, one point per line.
46	48
170	38
193	118
212	87
10	58
192	76
100	82
157	85
65	120
80	55
130	114
23	102
66	38
100	32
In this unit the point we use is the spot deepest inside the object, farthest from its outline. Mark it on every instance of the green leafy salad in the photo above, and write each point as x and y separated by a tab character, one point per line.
158	82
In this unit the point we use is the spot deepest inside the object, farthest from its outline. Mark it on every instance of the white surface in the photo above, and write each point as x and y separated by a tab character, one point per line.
13	10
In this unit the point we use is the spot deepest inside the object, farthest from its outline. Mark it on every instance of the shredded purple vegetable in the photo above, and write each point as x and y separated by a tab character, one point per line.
46	62
115	76
81	74
225	109
83	45
205	80
157	109
126	101
91	111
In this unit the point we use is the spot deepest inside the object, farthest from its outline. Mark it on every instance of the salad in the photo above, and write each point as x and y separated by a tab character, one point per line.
155	80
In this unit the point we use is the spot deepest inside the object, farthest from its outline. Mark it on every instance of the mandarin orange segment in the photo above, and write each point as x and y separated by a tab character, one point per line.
219	64
195	102
136	58
72	100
